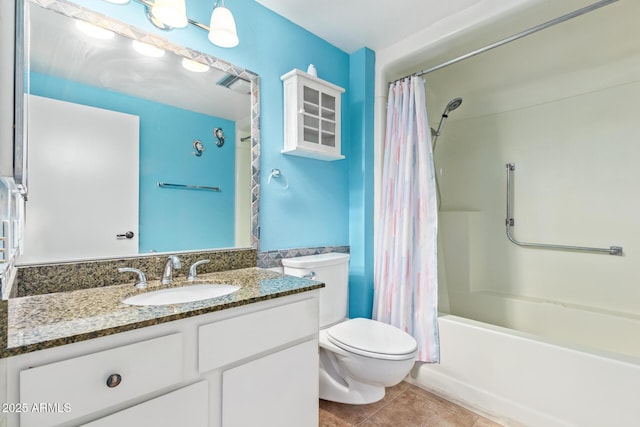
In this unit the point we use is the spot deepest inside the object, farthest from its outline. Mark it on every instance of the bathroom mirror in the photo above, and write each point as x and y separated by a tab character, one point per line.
131	152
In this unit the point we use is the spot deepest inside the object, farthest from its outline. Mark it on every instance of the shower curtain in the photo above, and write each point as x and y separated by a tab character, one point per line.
406	277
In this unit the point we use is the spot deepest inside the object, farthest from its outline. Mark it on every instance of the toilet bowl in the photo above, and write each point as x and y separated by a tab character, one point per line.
358	357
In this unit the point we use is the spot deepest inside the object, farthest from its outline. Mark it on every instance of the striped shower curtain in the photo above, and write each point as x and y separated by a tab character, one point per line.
406	276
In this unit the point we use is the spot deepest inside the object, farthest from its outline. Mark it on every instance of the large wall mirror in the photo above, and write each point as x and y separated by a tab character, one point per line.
135	145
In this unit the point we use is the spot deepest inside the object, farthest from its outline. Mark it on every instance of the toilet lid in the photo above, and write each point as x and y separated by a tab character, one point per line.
371	338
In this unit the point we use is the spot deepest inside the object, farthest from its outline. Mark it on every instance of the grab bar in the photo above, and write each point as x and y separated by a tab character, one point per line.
510	222
189	187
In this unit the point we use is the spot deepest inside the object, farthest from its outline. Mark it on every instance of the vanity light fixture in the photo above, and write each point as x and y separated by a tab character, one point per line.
222	28
147	50
194	66
94	31
169	14
172	13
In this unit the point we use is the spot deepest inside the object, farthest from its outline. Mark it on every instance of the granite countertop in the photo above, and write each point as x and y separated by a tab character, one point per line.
43	321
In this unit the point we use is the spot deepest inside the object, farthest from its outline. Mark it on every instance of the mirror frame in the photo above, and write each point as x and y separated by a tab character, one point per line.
75	11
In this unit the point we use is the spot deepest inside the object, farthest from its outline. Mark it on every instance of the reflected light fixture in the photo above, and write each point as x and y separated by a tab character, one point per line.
169	14
222	28
94	31
194	66
147	50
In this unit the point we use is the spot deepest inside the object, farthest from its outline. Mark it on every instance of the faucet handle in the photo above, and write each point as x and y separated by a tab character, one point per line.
192	270
142	279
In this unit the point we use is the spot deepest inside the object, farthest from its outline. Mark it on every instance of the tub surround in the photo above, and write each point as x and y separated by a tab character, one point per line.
72	276
43	321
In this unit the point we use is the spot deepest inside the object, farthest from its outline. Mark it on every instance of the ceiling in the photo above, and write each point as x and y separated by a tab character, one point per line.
353	24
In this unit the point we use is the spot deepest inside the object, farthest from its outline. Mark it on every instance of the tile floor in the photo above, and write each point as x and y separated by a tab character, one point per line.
404	405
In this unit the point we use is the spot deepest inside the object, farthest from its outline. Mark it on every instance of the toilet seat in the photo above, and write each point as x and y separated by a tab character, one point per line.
374	339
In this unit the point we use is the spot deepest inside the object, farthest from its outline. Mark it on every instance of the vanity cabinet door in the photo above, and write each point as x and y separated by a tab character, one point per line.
188	406
278	390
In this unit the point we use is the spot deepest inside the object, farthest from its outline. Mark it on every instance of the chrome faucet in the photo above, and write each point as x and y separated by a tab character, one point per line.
173	263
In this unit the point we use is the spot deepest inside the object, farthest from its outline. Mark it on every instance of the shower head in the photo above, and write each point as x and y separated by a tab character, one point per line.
452	105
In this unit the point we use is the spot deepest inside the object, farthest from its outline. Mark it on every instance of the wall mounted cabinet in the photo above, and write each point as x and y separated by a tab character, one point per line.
311	117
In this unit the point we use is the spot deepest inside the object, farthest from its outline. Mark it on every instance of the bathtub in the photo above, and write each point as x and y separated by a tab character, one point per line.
519	378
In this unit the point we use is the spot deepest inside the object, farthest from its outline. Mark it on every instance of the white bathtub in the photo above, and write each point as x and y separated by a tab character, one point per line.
520	379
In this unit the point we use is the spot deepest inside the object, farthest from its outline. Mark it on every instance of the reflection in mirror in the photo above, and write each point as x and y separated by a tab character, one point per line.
136	145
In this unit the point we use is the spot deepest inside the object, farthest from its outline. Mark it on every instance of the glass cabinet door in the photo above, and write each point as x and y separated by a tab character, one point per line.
319	123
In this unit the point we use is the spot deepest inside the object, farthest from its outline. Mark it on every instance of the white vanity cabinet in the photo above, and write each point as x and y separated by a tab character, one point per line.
311	117
255	364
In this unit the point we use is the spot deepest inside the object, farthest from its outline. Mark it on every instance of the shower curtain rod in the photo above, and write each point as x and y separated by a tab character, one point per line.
551	23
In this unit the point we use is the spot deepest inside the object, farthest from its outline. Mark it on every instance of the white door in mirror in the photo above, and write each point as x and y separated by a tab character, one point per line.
181	295
76	210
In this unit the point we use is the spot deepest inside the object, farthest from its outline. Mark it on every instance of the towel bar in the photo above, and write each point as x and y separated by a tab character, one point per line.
188	187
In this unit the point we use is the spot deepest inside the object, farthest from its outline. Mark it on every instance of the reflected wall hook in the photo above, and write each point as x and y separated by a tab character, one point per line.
197	145
276	173
217	132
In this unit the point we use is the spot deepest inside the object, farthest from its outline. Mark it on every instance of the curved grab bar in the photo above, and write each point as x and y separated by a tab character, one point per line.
510	222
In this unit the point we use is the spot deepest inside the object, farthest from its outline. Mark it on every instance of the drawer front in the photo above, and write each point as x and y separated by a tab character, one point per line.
188	406
72	388
230	340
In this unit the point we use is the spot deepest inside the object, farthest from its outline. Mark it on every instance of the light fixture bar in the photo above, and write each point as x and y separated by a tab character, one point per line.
148	4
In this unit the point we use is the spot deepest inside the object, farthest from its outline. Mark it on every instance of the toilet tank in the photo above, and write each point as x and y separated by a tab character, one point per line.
333	270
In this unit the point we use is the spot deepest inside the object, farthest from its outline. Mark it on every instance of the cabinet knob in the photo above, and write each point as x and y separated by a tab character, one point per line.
114	380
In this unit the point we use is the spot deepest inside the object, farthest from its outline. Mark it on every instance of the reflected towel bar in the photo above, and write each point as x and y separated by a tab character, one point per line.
188	187
510	222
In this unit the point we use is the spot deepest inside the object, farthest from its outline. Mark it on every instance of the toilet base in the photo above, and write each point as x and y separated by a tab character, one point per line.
337	389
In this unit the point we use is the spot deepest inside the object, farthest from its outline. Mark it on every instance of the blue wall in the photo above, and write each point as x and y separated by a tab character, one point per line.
327	203
169	219
314	211
360	156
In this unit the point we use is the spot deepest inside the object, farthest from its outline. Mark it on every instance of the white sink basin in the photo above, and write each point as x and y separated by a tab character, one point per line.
181	295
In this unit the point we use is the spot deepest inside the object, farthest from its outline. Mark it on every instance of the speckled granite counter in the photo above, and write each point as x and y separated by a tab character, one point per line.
43	321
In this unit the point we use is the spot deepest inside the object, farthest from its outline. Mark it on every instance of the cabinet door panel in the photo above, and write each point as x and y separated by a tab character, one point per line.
278	390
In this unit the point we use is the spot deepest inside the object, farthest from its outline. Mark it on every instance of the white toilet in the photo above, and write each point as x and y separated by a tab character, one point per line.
358	357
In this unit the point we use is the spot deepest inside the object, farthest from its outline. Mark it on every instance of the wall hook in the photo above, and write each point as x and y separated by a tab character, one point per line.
197	145
217	132
276	173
